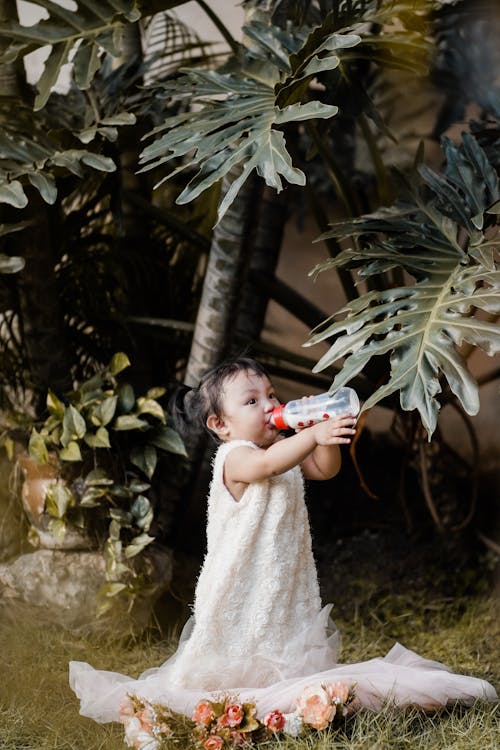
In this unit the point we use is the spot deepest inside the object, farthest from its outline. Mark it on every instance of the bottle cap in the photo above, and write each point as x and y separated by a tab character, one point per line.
277	417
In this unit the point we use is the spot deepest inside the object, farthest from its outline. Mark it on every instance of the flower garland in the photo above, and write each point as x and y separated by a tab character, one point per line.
227	723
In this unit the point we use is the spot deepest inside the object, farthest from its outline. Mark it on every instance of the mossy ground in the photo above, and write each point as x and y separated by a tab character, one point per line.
450	615
39	712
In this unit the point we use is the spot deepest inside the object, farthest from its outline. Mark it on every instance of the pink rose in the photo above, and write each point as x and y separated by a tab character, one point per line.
315	707
338	692
214	742
203	713
275	721
232	716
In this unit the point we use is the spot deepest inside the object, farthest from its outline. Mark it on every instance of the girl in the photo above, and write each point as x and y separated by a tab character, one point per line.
258	629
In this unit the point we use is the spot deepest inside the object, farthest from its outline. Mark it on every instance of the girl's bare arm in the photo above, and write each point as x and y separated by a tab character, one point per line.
315	448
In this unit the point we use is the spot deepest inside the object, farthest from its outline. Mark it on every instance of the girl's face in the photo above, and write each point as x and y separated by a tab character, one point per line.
248	400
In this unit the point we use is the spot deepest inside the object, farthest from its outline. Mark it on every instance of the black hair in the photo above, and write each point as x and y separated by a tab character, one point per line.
190	407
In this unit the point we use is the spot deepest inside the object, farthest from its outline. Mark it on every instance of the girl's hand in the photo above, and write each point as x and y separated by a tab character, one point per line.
334	431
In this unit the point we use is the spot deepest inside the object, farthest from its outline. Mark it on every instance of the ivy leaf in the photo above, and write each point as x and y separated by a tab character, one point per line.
145	458
167	439
129	422
137	545
71	452
37	448
119	362
99	440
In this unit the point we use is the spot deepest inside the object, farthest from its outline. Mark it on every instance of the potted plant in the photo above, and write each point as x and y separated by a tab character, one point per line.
88	473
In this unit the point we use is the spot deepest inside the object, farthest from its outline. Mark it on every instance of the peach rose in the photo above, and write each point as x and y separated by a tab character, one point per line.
146	718
338	692
275	721
315	707
126	708
232	716
214	742
203	713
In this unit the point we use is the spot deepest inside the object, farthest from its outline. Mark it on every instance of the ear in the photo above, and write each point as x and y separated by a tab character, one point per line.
217	425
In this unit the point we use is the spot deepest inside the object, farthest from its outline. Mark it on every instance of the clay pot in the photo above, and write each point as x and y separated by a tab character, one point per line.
37	478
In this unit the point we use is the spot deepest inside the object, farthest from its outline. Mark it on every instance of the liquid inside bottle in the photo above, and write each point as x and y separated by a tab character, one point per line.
307	411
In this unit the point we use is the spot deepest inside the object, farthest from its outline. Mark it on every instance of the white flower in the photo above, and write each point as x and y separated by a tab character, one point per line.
137	737
293	724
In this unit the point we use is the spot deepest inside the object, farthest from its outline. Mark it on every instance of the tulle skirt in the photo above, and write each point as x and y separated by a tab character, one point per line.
275	681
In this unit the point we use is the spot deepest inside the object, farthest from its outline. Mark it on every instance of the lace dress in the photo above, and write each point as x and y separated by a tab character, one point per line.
258	629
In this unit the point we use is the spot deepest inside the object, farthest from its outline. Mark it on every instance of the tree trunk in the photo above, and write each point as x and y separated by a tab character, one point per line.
226	272
262	265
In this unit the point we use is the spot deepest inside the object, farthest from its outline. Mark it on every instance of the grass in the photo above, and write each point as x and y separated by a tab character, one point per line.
39	712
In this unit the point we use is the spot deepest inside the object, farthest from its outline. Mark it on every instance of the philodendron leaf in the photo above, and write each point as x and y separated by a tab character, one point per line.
12	192
240	119
92	25
421	326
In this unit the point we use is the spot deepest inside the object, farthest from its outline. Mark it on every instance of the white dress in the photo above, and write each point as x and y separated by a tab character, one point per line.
258	629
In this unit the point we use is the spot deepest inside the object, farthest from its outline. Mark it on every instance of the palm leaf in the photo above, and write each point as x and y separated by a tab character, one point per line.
422	326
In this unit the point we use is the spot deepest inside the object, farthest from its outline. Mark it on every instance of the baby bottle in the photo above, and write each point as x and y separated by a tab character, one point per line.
307	411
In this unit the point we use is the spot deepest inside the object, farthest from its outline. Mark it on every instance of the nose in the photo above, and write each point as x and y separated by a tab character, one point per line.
268	405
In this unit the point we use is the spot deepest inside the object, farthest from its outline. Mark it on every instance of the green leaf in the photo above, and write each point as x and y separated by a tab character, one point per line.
129	422
37	448
74	426
422	326
111	589
11	263
143	512
118	363
55	406
156	392
124	518
145	458
93	24
13	194
106	409
137	545
242	128
58	499
99	440
98	477
168	440
126	397
150	406
71	452
45	184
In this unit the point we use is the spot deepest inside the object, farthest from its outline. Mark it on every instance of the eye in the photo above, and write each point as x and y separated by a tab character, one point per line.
252	401
273	395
